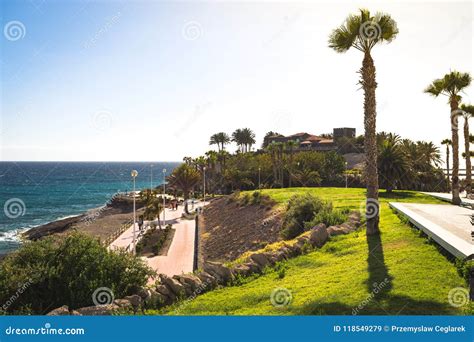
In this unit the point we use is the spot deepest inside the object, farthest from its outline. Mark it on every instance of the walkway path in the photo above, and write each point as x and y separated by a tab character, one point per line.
448	197
448	225
180	256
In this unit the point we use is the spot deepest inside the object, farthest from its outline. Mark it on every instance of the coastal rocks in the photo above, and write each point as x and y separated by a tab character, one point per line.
123	303
319	235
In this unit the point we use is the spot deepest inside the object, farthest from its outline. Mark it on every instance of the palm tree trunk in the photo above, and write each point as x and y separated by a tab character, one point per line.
369	84
454	131
447	167
468	156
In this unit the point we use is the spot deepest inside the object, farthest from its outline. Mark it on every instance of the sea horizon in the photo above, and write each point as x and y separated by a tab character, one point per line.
34	193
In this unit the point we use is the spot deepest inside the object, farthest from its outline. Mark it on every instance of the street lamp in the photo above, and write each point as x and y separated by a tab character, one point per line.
346	175
151	178
164	197
204	188
134	175
259	169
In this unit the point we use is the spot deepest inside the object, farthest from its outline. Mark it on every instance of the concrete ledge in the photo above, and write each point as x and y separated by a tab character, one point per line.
449	226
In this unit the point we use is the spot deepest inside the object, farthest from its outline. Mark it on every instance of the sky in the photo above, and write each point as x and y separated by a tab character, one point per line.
152	81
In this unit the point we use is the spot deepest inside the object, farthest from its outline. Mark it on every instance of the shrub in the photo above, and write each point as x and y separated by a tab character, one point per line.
300	209
305	211
53	271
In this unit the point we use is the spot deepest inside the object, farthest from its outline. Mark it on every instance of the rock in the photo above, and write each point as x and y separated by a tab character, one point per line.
336	230
61	311
295	250
75	313
144	293
318	236
218	271
254	267
189	279
98	310
280	255
156	299
242	270
123	303
169	297
135	301
175	286
207	280
260	259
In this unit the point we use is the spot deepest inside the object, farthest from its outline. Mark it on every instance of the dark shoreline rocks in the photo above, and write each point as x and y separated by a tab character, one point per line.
118	205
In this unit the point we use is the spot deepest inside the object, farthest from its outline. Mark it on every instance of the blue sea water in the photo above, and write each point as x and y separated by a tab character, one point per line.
35	193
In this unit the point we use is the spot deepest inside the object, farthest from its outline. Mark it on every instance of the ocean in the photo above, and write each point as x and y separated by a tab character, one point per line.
35	193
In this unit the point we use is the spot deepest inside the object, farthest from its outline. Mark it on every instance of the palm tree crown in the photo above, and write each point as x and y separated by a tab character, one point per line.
363	32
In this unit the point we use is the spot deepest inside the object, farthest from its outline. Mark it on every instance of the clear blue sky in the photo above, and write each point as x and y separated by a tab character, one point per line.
147	80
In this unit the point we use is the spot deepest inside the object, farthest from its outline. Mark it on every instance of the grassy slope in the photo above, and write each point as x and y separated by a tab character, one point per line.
340	276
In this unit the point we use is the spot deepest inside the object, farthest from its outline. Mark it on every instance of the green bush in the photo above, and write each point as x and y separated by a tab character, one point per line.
305	211
52	272
300	209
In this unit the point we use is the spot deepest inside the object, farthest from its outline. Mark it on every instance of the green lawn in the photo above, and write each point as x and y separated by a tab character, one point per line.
340	276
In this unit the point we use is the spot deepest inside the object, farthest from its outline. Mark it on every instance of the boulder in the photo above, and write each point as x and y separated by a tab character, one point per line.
98	310
61	311
135	301
156	299
218	271
190	279
318	236
168	296
207	280
242	270
337	230
254	267
175	286
123	303
260	259
144	293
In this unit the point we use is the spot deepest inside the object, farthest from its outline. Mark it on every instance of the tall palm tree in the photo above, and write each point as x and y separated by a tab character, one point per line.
468	112
392	165
249	138
291	145
220	139
184	178
448	143
363	32
451	86
238	138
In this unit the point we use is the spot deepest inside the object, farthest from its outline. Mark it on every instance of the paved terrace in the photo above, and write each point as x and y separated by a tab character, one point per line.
444	196
448	225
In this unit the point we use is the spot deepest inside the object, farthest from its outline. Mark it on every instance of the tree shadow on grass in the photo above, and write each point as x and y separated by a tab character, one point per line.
399	194
379	282
391	305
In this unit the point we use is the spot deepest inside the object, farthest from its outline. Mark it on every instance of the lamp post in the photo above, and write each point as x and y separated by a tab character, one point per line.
151	178
346	175
134	174
204	187
259	169
164	197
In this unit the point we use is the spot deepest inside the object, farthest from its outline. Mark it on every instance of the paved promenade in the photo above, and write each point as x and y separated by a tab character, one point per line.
448	225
